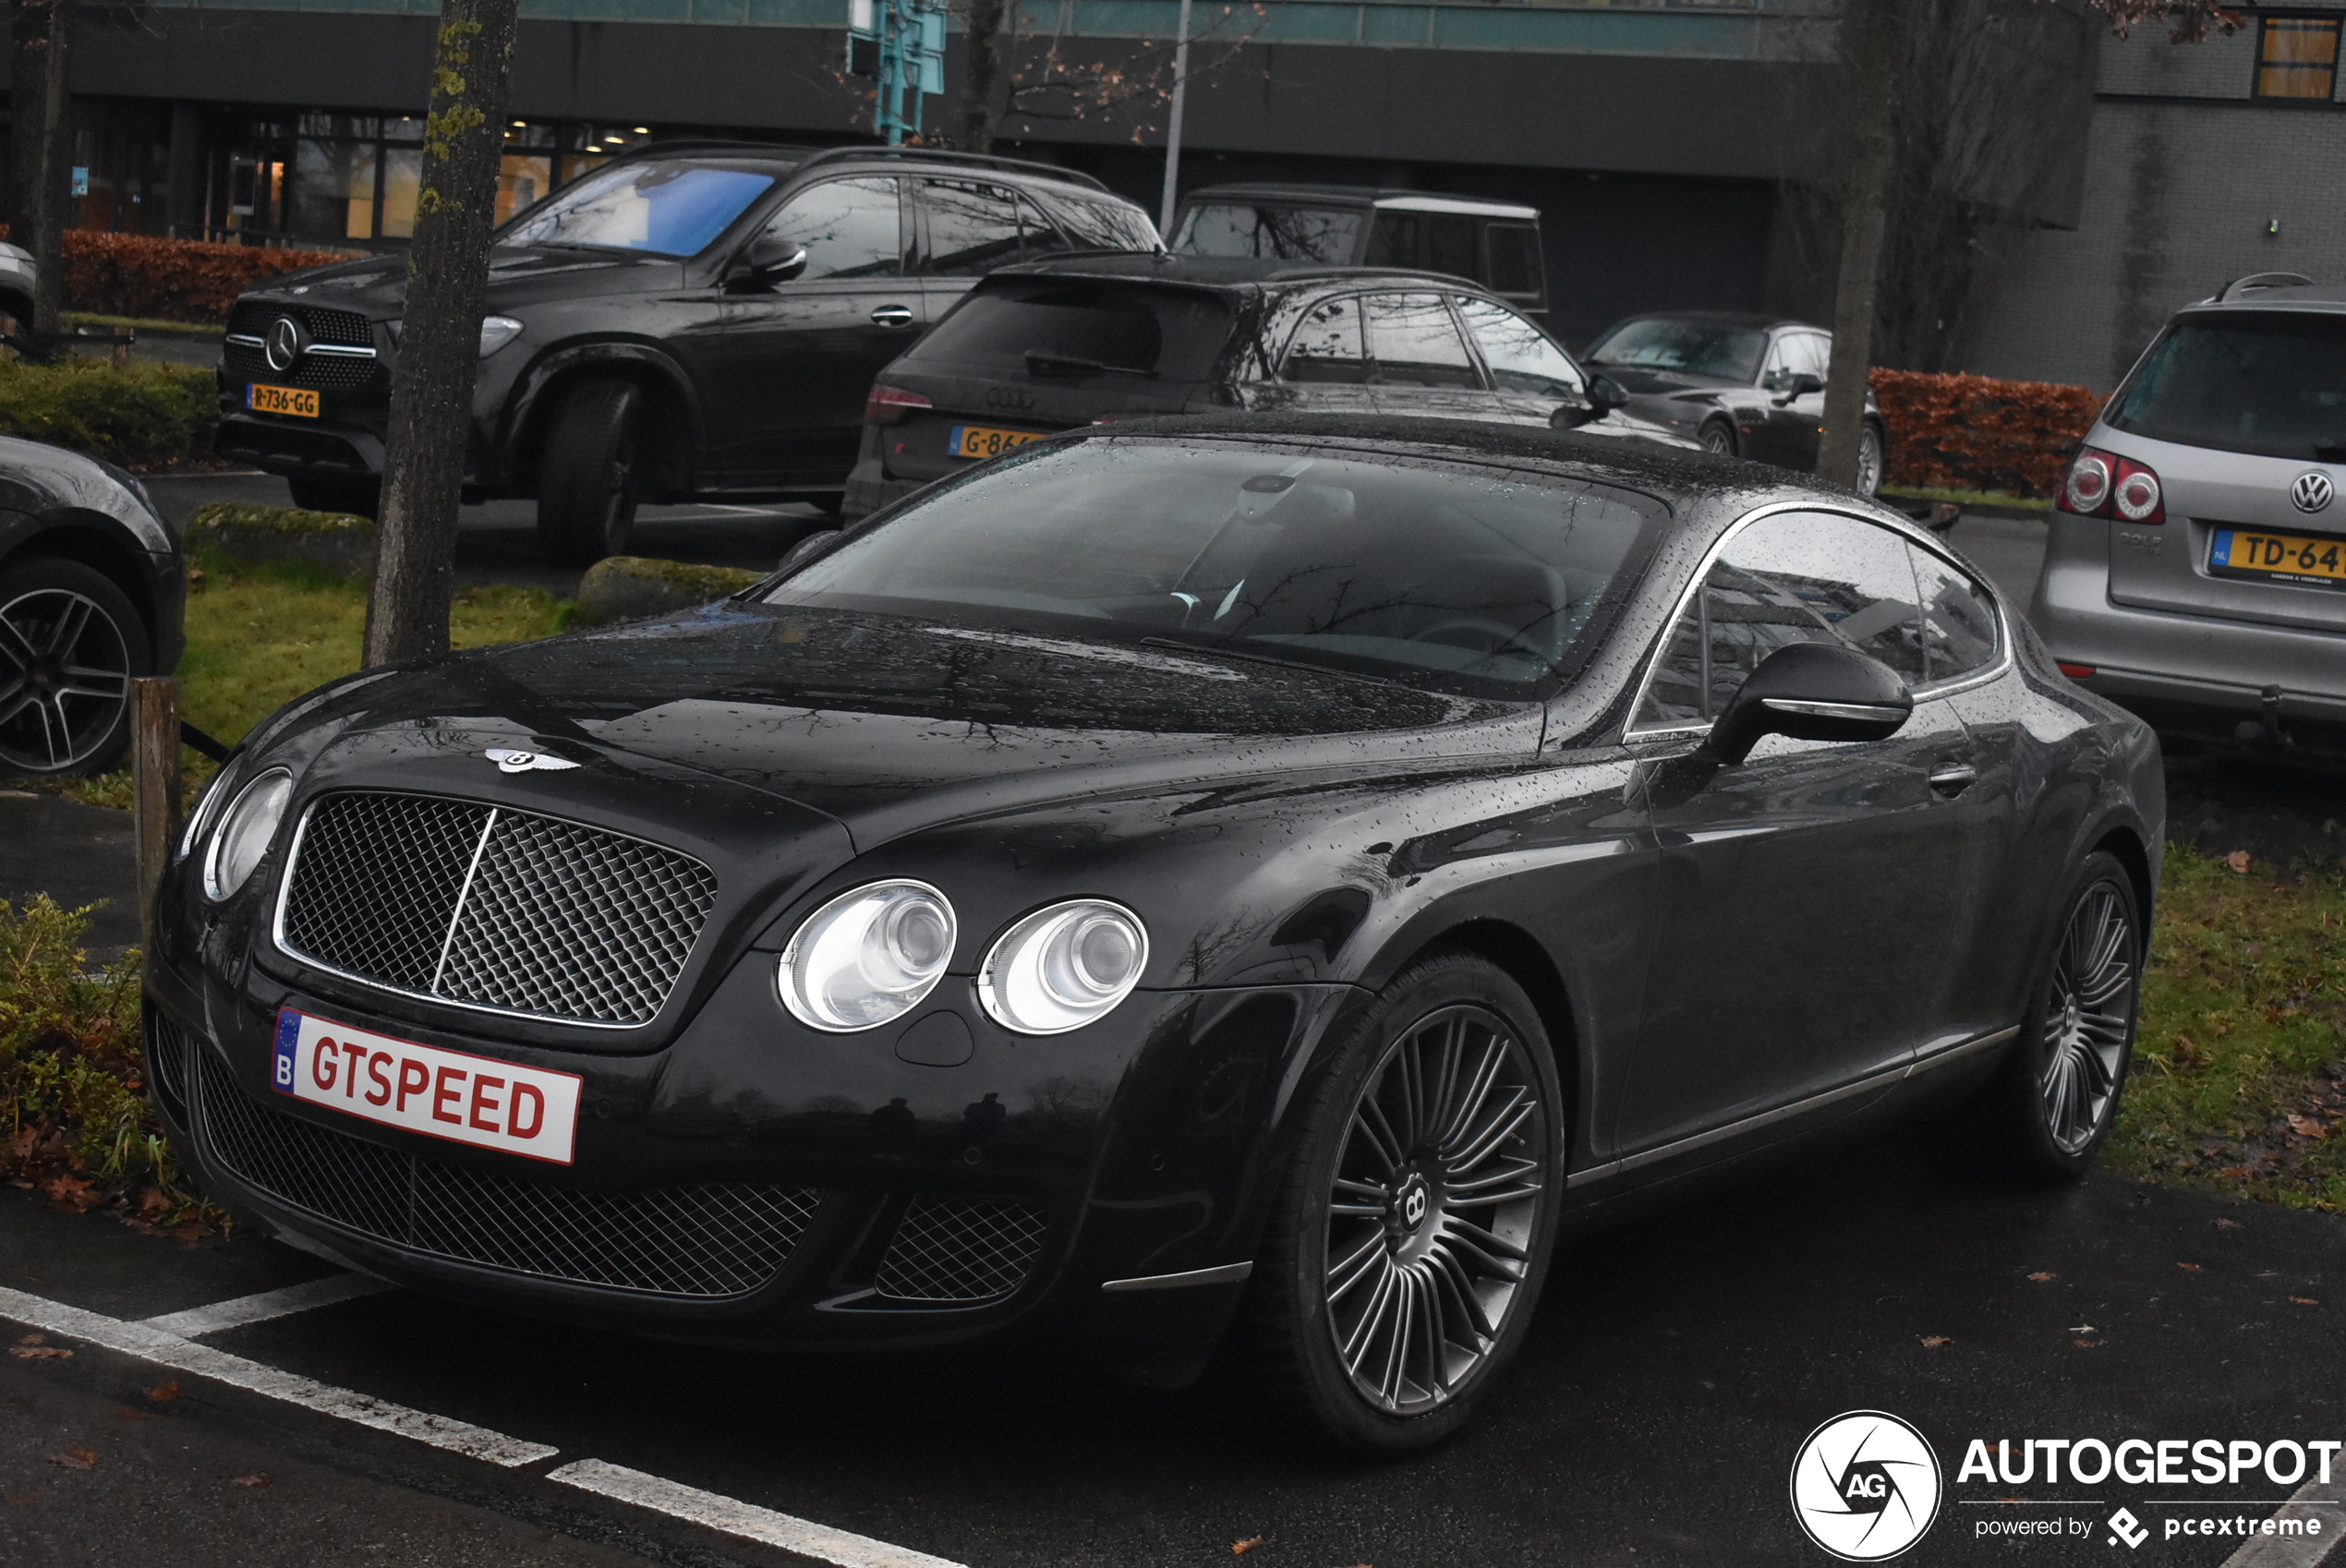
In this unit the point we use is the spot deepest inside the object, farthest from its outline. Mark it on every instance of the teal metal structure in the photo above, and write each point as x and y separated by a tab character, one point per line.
901	45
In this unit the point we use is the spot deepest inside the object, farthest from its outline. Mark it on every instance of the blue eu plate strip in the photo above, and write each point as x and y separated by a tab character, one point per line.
2220	552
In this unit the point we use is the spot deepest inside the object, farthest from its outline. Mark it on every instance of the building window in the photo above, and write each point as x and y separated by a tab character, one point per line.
2297	57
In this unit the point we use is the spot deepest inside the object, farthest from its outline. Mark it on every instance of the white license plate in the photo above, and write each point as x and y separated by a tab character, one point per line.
450	1095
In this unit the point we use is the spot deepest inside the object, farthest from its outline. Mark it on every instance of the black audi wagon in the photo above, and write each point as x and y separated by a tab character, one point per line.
1226	885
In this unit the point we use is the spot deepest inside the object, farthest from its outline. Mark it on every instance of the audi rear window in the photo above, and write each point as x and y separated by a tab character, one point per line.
2273	384
1050	329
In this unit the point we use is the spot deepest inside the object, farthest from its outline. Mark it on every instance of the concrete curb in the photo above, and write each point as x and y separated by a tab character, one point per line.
334	541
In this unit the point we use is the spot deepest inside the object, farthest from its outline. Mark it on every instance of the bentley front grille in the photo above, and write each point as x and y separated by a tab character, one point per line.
707	1239
948	1250
492	908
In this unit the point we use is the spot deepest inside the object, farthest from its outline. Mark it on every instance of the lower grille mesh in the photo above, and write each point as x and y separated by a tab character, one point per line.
947	1250
166	1049
709	1239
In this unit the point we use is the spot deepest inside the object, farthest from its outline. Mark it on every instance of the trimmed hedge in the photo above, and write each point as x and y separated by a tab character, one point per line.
1977	434
168	279
141	415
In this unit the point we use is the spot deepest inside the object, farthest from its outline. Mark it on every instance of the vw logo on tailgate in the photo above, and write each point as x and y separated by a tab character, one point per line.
2311	491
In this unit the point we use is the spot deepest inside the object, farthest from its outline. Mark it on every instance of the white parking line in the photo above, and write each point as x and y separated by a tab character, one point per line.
2315	1500
738	1518
267	1304
167	1349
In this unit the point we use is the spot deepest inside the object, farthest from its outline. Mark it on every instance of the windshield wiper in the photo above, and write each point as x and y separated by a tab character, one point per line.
1042	362
1216	650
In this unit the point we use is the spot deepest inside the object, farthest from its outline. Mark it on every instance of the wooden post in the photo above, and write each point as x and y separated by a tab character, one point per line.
154	780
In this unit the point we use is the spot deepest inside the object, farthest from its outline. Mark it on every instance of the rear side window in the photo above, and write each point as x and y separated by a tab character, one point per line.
1432	242
1054	327
1796	578
1269	233
1414	342
1520	356
1327	346
973	228
1105	226
1961	634
1516	262
2273	384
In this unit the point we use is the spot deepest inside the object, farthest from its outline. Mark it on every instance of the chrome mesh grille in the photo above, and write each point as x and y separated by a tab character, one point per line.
707	1239
494	907
330	371
166	1052
948	1251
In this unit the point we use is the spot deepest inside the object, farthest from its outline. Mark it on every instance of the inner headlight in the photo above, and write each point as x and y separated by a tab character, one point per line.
245	833
496	332
1061	967
868	956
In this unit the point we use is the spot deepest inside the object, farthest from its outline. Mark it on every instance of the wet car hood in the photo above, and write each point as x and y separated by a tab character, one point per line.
889	725
517	276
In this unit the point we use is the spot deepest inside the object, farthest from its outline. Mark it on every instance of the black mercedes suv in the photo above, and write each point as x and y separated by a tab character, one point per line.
690	321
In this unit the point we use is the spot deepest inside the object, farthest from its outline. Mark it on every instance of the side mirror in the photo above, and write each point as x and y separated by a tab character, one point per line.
1604	396
773	259
1797	383
1812	692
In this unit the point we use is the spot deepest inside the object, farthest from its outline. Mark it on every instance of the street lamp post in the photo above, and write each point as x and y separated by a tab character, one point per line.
1173	123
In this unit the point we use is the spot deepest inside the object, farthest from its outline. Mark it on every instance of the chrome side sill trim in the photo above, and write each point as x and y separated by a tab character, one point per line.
1957	1052
1228	1273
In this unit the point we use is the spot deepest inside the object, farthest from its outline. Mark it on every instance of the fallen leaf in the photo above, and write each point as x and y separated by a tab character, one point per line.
2308	1127
254	1479
71	1192
165	1395
2088	1343
2227	1224
126	1414
2234	1173
2238	861
24	1499
1240	1549
1934	1342
2305	1300
39	1353
2041	1278
2192	1268
34	1339
74	1458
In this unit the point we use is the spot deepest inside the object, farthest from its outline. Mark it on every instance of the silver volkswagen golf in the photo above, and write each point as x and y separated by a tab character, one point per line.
2196	568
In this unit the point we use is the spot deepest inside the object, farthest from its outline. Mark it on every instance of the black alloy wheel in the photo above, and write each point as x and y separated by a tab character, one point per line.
1409	1240
587	479
2050	1106
1720	437
1869	459
69	644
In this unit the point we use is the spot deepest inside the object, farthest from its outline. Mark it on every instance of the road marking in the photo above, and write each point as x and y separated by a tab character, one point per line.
735	1517
2298	1552
151	1344
222	1315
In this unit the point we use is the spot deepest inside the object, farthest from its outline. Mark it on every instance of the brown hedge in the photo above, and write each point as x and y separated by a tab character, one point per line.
1977	434
168	279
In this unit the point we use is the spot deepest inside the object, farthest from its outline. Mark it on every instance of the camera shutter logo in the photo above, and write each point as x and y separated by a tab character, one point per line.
2311	491
1866	1486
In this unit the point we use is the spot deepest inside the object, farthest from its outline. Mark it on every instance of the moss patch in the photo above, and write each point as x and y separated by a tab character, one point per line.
221	516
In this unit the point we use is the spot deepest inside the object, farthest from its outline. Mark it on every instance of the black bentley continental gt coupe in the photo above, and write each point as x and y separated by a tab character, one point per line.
1230	883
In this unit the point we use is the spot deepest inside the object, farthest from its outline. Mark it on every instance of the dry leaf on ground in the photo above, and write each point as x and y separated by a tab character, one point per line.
71	1192
1240	1549
1935	1340
2227	1224
2041	1278
2088	1343
2238	861
39	1353
2305	1300
2192	1268
74	1458
165	1395
2308	1127
254	1479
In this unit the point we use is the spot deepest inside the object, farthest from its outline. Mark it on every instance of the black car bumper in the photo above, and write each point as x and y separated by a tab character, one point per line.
326	448
891	1204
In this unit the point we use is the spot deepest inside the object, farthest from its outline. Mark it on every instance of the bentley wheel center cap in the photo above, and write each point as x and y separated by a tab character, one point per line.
1411	1204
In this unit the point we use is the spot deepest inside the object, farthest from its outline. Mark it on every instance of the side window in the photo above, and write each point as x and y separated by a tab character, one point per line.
1779	365
973	228
1796	578
1101	225
1436	242
1415	343
1812	353
1037	235
851	229
1960	632
1328	346
1522	358
1516	264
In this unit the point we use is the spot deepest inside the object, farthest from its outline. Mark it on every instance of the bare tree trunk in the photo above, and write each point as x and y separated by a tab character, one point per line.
1882	58
43	133
978	115
440	343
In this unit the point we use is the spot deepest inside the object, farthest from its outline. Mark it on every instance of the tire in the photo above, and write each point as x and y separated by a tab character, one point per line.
1473	1260
2050	1104
70	641
586	480
312	492
1720	437
1871	455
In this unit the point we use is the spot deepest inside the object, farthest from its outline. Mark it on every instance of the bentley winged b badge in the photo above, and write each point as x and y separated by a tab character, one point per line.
509	761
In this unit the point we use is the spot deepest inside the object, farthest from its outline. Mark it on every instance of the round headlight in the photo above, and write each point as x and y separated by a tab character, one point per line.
868	956
245	833
199	819
1061	967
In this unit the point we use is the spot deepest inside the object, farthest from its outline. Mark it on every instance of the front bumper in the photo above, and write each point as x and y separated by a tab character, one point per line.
725	1192
337	449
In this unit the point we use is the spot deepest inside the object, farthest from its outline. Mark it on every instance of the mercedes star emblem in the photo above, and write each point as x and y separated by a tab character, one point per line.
284	343
509	761
2311	491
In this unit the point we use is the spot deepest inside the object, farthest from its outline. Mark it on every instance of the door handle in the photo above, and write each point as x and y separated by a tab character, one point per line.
1954	778
892	316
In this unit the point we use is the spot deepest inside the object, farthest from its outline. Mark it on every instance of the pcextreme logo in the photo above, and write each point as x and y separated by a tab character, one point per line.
1865	1486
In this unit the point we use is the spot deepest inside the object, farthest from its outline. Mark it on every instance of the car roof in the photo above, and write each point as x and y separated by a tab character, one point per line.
797	158
1384	197
2274	291
1228	274
1726	318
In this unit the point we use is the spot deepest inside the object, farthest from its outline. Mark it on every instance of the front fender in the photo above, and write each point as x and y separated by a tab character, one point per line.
531	400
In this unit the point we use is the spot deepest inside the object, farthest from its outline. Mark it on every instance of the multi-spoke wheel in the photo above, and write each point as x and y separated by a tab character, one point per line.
1870	460
69	644
2055	1098
1413	1231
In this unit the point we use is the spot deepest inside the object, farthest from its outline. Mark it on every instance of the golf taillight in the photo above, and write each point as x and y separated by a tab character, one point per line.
2074	672
888	406
2103	485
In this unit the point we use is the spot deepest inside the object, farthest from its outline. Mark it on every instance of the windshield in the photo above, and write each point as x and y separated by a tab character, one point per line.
667	209
1270	234
1481	580
1701	348
2270	384
1041	327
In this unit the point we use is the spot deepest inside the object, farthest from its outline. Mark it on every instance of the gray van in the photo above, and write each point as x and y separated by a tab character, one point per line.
1495	244
2196	570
